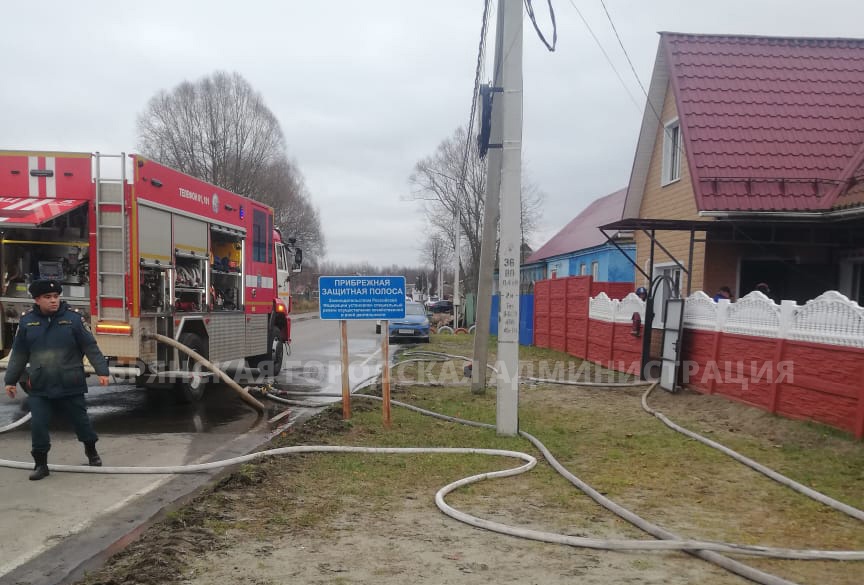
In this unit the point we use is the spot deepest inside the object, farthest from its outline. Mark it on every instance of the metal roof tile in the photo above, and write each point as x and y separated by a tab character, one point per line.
769	108
582	232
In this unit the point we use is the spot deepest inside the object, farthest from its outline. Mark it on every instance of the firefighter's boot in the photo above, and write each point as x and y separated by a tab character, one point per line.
92	456
40	471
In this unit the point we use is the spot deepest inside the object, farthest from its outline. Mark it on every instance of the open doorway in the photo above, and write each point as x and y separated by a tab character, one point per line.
787	279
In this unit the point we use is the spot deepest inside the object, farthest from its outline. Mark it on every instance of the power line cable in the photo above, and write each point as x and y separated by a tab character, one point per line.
667	131
608	58
621	44
481	53
530	9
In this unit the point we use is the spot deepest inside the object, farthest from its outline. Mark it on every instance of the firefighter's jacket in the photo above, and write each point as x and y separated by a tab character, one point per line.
54	346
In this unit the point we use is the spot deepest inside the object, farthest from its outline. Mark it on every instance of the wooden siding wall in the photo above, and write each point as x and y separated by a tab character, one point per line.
674	201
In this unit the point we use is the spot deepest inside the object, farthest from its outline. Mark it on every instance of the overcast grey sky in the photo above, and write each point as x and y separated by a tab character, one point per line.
363	90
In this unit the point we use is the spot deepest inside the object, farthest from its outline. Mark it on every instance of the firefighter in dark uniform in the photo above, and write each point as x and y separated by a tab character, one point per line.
53	339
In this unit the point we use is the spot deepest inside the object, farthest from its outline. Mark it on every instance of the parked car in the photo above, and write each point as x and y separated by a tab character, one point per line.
408	301
414	327
441	307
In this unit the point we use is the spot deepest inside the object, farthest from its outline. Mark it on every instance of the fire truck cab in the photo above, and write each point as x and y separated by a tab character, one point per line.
148	251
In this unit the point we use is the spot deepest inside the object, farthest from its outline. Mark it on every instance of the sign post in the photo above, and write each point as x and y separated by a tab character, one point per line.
362	298
385	373
346	385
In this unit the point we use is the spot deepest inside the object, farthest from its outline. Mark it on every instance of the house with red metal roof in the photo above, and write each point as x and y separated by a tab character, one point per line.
580	249
750	166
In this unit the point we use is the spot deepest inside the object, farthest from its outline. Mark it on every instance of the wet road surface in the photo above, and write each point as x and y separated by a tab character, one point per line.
55	527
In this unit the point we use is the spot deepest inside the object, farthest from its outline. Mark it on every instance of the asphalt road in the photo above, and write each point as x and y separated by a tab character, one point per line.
52	530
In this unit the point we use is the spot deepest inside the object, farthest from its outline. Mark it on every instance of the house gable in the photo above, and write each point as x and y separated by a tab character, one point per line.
769	123
647	135
673	200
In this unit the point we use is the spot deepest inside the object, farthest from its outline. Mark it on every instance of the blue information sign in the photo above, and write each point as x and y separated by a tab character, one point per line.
356	298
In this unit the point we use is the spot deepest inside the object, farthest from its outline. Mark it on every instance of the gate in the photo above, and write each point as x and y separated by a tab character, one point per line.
673	330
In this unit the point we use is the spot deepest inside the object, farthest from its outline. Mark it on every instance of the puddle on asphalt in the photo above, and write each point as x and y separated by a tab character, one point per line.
126	410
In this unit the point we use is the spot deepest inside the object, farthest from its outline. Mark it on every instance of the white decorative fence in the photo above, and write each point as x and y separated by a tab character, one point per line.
830	318
602	308
801	361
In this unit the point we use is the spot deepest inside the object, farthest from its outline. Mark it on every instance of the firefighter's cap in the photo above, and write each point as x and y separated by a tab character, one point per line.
43	287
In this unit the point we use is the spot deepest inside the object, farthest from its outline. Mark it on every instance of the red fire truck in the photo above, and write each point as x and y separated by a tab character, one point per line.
161	253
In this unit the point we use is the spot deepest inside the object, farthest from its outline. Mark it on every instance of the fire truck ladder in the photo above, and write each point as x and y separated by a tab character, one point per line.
112	243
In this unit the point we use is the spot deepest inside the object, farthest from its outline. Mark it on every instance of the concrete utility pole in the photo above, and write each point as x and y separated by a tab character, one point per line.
507	419
490	225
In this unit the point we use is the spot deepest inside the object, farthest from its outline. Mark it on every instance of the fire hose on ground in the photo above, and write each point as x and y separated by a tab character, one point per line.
707	550
243	392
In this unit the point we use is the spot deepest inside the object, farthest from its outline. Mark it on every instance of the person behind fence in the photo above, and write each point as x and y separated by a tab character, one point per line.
724	292
764	289
642	293
53	339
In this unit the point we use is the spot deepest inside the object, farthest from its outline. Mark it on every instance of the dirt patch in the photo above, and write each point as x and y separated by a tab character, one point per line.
341	519
163	552
412	542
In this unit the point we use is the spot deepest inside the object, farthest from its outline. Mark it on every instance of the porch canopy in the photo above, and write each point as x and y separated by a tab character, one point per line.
804	229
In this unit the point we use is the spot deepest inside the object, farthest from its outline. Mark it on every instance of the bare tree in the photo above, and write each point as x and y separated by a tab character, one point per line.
217	129
284	189
436	181
437	253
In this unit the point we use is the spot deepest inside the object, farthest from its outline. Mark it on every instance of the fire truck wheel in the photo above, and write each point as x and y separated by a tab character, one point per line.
277	345
275	355
191	391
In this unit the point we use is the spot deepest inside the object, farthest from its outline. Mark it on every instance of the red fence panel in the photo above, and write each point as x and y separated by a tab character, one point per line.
578	291
626	349
809	381
541	313
558	314
697	349
613	290
823	383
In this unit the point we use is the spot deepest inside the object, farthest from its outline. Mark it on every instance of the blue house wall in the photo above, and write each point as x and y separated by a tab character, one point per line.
612	265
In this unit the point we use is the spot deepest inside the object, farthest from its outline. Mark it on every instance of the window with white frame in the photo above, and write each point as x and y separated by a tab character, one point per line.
582	270
595	270
671	152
